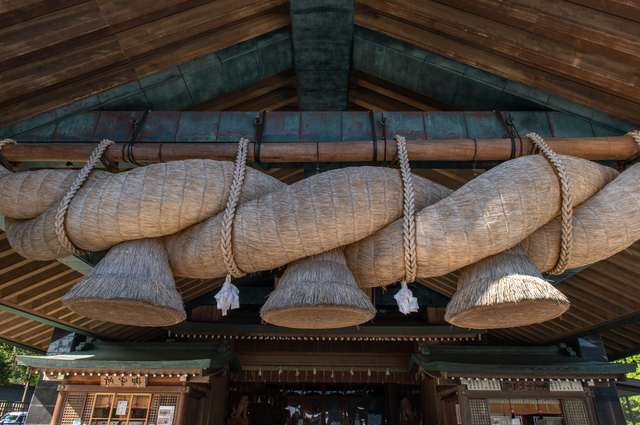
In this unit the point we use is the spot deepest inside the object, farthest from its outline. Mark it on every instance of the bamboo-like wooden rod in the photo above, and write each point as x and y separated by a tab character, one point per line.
593	148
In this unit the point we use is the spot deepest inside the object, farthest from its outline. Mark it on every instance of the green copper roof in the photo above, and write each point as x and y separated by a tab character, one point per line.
511	361
162	356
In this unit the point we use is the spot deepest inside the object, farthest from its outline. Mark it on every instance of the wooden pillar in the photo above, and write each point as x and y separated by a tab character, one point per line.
183	407
429	401
392	397
218	400
56	418
465	409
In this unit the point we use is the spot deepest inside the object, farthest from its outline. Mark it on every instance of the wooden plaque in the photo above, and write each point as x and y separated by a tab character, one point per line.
113	381
533	386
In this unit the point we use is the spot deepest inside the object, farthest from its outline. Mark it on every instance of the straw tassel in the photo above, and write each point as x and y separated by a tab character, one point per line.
503	291
132	285
318	292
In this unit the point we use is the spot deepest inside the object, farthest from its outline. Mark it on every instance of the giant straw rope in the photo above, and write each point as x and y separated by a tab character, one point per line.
359	208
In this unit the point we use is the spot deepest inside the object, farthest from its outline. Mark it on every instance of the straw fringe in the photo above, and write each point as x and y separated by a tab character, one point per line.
132	285
504	290
318	292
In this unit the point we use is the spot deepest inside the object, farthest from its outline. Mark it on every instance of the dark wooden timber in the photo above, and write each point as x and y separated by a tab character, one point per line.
594	148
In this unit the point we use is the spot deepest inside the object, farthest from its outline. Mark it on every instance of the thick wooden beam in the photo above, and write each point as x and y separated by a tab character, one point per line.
324	359
594	148
213	328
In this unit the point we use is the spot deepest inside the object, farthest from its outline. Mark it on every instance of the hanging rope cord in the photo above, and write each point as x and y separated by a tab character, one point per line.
409	219
3	143
566	209
61	215
230	211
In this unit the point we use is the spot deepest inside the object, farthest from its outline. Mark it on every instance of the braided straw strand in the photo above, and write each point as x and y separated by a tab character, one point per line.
3	143
61	215
567	205
409	220
230	211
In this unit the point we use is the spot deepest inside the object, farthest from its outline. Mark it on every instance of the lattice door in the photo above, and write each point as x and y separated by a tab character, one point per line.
88	405
575	413
157	401
479	412
73	408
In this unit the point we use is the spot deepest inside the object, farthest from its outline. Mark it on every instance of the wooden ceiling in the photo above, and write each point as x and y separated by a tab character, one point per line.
57	52
54	53
30	302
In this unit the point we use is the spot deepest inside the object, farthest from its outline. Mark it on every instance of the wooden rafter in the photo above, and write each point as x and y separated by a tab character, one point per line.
600	92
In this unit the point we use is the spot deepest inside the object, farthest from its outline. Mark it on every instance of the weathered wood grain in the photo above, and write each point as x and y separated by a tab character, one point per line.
506	67
50	34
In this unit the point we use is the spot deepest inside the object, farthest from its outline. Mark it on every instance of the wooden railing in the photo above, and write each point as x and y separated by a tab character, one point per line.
13	406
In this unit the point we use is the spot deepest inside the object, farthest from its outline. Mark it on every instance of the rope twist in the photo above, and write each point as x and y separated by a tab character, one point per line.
567	205
636	136
409	220
61	215
3	143
230	211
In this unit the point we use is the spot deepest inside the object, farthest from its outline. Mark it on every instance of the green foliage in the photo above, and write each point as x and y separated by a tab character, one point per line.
10	372
631	408
632	359
631	405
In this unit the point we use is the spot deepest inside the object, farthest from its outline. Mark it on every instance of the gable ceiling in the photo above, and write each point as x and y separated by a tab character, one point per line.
60	58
